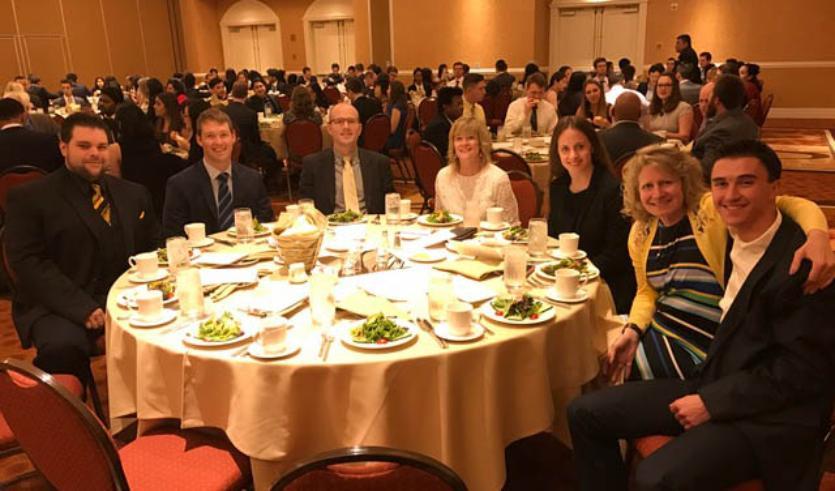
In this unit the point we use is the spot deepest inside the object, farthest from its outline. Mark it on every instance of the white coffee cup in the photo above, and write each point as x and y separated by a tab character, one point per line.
293	210
566	282
196	232
459	318
149	304
569	242
297	273
272	336
494	215
405	207
146	263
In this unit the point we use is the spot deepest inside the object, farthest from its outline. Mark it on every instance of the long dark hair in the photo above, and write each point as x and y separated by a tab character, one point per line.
599	155
172	111
301	103
602	106
397	93
656	106
753	71
134	127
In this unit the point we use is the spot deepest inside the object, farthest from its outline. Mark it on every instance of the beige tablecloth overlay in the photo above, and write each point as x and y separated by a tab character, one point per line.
540	171
461	405
272	132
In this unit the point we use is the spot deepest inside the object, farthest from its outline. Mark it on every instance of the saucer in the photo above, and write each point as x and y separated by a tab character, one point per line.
442	330
408	217
206	242
165	317
290	348
428	256
159	275
494	227
579	254
582	296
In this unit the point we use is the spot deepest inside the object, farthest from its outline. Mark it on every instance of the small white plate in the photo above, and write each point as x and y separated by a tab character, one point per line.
206	242
160	274
456	219
165	317
579	254
340	224
345	335
127	299
428	256
487	310
593	272
408	217
290	348
442	330
234	233
190	335
582	296
339	246
494	227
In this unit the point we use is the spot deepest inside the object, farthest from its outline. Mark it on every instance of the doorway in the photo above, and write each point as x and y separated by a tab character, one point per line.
251	35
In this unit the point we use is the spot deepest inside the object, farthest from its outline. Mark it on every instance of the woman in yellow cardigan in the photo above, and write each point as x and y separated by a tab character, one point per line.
678	245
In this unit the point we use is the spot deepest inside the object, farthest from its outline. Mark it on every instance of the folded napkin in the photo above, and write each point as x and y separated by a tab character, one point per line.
472	268
364	305
220	276
473	248
219	258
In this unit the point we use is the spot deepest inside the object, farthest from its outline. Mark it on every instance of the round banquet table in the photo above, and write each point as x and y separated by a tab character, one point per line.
272	132
462	405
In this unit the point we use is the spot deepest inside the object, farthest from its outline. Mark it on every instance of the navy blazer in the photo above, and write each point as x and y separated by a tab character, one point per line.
189	198
318	180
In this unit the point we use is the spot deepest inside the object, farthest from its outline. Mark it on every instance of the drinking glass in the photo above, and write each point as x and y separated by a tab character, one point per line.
537	237
190	292
268	110
440	294
515	269
177	250
306	204
322	302
243	225
392	208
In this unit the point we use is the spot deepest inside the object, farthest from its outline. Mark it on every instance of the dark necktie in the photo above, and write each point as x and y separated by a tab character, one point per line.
534	122
224	202
100	204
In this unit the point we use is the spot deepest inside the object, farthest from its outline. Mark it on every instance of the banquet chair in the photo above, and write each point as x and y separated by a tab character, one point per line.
283	102
73	450
427	109
767	102
370	469
508	160
15	176
377	130
528	196
754	110
303	137
399	154
620	163
332	95
428	162
698	117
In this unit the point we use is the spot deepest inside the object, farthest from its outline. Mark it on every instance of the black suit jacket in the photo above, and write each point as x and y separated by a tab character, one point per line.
318	180
603	230
189	198
725	128
52	244
61	102
770	368
19	145
257	104
437	133
245	120
624	137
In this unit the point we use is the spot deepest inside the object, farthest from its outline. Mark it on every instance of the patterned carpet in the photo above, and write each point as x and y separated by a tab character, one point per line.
803	150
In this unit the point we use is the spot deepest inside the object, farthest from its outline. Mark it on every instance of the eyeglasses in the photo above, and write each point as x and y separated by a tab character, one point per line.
341	121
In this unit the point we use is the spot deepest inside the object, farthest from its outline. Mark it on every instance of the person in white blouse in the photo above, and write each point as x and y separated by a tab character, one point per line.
532	111
470	182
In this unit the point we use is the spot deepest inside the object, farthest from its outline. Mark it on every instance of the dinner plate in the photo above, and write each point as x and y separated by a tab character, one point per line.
582	296
428	256
190	335
290	348
345	336
443	331
233	232
579	254
494	227
487	310
593	272
206	242
456	219
166	316
340	224
408	217
159	275
127	298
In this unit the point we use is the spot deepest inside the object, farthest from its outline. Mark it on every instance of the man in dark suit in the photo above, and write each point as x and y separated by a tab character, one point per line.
686	53
503	79
261	99
68	238
626	135
705	64
254	152
727	122
67	96
450	106
209	190
36	90
366	106
759	405
346	177
78	89
19	145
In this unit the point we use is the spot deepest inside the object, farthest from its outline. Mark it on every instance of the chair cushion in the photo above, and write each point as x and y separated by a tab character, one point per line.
70	382
401	478
183	459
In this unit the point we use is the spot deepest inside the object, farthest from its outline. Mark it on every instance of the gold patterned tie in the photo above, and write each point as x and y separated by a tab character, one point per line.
100	204
349	186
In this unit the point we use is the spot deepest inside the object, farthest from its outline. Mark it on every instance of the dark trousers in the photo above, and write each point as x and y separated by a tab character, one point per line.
63	346
710	456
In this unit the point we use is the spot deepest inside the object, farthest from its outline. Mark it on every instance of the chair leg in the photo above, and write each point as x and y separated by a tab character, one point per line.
90	385
289	187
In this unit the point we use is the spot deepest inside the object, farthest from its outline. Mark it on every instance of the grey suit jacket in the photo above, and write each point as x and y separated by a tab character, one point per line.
728	127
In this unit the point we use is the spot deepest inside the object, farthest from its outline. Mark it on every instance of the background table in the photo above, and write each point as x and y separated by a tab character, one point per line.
272	132
540	171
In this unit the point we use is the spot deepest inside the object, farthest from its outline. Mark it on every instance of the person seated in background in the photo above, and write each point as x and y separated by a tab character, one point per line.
421	86
618	81
22	146
35	121
669	116
749	73
705	64
457	79
110	99
260	100
210	190
573	97
475	88
648	88
450	106
396	110
366	106
217	87
175	87
346	177
169	126
767	377
531	111
254	152
626	136
36	90
688	83
600	73
302	107
68	98
708	111
471	183
78	89
586	199
504	80
557	85
335	77
594	106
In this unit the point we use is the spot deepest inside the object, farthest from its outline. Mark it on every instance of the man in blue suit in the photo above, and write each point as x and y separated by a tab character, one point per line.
208	191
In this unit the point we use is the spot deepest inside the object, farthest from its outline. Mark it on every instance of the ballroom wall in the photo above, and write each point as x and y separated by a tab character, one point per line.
88	37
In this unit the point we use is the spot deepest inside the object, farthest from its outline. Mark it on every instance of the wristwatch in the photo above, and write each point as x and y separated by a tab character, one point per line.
634	328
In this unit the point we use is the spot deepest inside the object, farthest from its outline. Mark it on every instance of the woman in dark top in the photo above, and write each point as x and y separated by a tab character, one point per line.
302	107
586	199
573	96
396	110
170	127
193	111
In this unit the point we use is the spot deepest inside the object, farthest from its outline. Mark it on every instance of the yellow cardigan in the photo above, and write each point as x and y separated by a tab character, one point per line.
711	238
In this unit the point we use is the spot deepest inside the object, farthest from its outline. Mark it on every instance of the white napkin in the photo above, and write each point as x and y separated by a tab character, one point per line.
220	276
219	258
471	291
472	248
434	239
277	296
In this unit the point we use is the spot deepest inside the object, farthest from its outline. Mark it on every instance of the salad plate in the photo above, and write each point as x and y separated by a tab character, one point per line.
524	311
440	219
378	332
222	330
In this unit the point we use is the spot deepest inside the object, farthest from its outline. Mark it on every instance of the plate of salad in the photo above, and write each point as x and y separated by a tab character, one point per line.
516	234
259	228
587	270
521	311
346	217
379	332
162	255
166	286
440	219
221	330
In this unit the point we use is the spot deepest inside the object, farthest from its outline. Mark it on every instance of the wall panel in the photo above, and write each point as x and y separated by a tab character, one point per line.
7	23
126	38
12	64
47	57
39	17
87	40
156	28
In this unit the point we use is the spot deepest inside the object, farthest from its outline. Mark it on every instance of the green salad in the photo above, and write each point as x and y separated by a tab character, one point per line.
162	255
534	156
377	329
218	329
347	216
440	217
579	265
514	309
257	226
165	286
516	234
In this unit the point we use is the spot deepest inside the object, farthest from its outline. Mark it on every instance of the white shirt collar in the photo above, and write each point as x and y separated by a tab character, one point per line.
213	172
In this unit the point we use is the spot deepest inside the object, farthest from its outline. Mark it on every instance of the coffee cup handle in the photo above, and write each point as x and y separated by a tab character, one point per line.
132	261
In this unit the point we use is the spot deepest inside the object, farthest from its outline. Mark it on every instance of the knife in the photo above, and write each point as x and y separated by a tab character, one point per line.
427	326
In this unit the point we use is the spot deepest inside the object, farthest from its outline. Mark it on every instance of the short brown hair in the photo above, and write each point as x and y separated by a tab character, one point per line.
536	79
239	89
215	115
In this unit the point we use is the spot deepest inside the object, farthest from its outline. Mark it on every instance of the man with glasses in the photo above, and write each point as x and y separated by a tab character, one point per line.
346	177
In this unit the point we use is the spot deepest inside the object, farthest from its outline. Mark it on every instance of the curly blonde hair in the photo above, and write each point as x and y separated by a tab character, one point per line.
669	158
469	127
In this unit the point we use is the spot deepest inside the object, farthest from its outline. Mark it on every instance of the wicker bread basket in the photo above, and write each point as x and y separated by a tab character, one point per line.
302	247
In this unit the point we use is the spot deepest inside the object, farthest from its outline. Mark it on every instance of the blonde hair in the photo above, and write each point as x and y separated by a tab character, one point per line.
669	158
469	127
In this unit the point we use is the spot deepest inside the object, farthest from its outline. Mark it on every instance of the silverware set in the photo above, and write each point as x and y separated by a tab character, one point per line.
426	325
325	347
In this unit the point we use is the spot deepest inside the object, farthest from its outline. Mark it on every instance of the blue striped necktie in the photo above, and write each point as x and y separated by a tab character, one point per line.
224	202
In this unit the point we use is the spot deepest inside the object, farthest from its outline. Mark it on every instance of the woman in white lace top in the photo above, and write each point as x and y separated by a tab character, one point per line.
470	180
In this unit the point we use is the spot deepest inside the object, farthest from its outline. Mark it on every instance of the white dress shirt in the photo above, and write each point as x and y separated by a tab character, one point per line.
516	118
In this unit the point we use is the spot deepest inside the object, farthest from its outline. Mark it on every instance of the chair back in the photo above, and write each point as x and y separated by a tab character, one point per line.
15	176
698	118
619	164
754	110
371	469
428	163
303	138
427	109
502	102
413	138
62	438
528	196
377	130
410	116
332	95
283	102
769	100
508	160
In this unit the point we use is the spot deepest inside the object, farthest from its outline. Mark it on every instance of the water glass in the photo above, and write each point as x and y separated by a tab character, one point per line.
306	204
537	237
268	110
177	250
243	225
190	292
392	208
322	302
441	294
515	269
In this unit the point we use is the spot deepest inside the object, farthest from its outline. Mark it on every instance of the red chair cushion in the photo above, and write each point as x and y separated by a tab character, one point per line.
183	459
70	382
401	478
827	482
